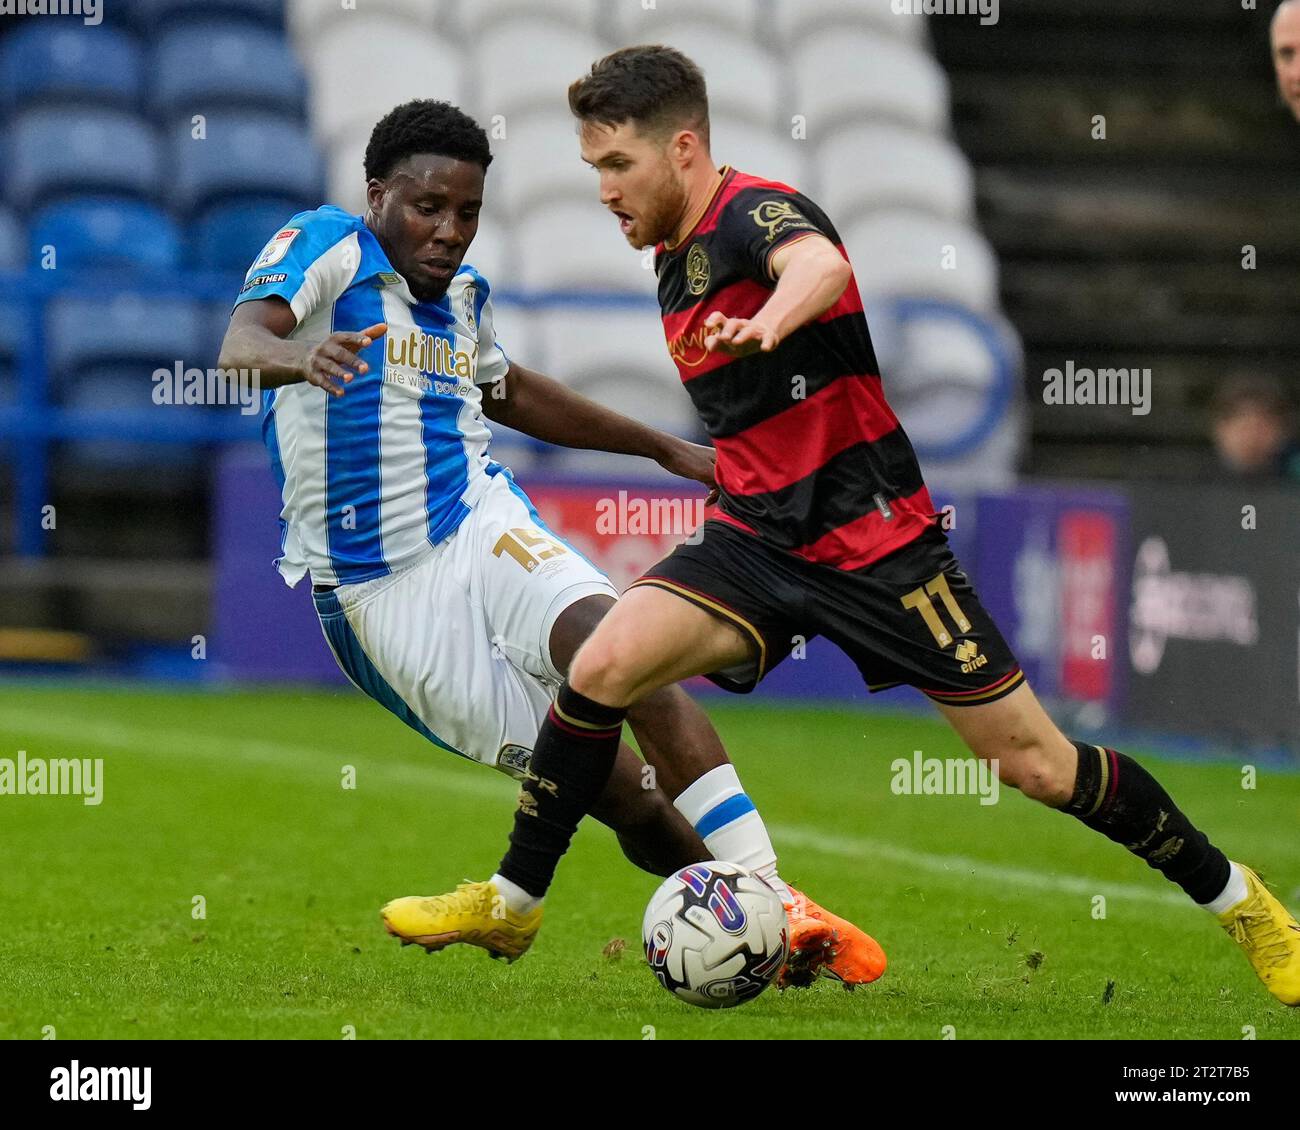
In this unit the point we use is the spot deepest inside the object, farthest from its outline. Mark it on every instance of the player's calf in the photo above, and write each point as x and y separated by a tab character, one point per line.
652	833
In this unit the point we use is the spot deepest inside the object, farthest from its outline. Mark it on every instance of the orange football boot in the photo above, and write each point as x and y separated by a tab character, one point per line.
854	956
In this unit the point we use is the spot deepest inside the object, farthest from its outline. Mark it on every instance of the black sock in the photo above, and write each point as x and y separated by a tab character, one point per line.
573	758
1115	796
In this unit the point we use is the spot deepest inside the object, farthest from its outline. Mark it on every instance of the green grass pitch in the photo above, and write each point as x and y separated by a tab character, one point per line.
986	912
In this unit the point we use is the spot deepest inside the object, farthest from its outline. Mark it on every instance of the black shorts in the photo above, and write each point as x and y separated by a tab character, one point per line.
910	618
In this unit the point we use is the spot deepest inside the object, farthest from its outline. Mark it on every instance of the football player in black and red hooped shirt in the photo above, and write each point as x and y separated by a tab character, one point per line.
824	525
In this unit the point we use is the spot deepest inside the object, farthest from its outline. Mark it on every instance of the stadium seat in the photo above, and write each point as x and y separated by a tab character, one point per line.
572	246
953	376
866	167
794	19
492	252
105	231
66	60
133	329
901	252
13	333
643	395
107	390
473	16
309	20
346	178
744	79
60	151
243	154
198	65
346	102
877	79
229	235
581	344
153	16
632	23
555	56
760	151
13	243
538	159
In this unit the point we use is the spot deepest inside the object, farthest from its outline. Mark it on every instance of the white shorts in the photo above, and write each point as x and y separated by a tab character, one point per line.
457	645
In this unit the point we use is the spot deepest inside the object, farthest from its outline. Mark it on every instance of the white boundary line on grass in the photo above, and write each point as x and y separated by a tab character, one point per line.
170	743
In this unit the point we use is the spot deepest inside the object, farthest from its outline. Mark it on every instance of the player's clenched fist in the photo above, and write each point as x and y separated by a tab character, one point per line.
335	359
737	336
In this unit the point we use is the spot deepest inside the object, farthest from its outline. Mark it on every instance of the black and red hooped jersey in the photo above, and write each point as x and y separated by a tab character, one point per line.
810	456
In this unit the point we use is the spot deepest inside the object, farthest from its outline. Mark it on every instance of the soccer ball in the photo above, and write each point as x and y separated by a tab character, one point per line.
715	934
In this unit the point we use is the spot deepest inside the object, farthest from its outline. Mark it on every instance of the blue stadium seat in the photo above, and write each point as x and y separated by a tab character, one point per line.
13	244
150	16
229	235
57	152
13	329
135	330
105	231
203	64
108	389
68	60
242	155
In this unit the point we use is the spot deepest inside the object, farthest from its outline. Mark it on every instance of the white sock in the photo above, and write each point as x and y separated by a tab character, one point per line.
730	825
517	900
1232	894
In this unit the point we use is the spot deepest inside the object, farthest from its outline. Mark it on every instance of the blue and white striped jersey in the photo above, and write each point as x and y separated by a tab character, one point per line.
371	479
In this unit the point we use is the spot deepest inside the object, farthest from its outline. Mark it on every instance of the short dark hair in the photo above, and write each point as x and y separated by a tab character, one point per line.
424	126
1250	390
657	89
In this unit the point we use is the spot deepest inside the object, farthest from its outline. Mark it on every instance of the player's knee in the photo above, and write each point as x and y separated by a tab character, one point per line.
1036	769
605	669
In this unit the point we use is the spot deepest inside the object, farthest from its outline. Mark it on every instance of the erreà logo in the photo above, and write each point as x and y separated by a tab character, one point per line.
426	353
968	654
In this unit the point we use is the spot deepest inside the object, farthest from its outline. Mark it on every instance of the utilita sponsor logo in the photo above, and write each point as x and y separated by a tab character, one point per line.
1185	606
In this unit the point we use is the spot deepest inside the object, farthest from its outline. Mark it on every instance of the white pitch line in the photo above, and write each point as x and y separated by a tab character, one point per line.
170	743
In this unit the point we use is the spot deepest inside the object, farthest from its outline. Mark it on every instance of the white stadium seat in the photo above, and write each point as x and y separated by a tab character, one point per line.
346	173
476	15
767	153
492	252
308	20
907	253
568	245
867	167
345	98
526	65
875	78
538	159
794	19
584	343
630	22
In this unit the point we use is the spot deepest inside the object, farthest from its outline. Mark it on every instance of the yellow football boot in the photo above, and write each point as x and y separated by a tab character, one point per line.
473	914
1270	935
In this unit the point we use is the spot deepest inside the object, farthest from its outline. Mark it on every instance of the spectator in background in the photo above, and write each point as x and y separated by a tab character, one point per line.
1284	35
1254	429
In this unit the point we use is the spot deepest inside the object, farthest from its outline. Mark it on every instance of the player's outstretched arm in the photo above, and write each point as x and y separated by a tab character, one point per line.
811	275
547	410
257	339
